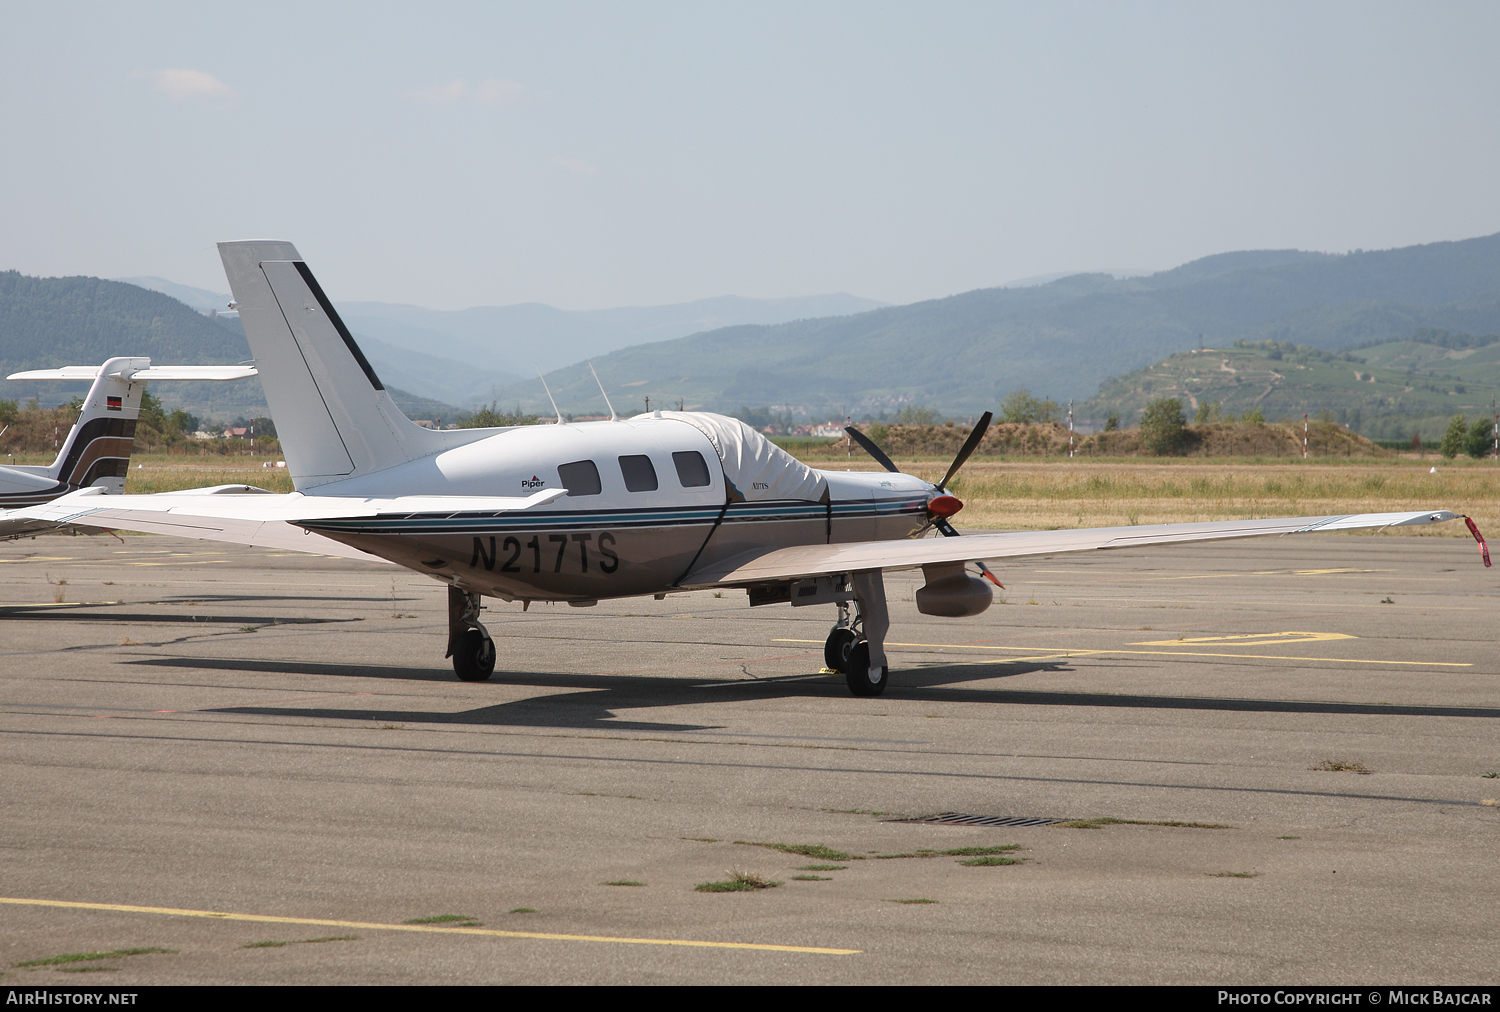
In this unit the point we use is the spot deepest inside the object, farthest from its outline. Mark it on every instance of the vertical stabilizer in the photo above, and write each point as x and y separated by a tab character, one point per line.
333	415
97	450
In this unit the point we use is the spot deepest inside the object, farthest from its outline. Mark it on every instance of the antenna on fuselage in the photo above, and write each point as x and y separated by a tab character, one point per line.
549	394
612	416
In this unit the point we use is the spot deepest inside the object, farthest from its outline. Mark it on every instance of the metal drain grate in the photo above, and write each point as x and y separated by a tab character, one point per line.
960	819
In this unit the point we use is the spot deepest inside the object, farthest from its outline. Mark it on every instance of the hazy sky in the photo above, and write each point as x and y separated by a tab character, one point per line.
593	155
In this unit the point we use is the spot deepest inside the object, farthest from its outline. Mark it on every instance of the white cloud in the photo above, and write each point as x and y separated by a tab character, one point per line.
573	166
187	85
453	91
488	92
493	92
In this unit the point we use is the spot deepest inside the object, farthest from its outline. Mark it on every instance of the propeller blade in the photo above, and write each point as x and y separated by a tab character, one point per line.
970	445
948	532
870	448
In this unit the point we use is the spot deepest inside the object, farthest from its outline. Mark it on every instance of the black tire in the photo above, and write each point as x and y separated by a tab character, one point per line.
474	659
836	650
857	674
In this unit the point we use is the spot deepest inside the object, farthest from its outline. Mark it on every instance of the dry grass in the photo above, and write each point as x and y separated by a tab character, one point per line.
161	472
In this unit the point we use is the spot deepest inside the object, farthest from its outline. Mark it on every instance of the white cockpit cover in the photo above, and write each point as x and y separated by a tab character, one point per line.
754	465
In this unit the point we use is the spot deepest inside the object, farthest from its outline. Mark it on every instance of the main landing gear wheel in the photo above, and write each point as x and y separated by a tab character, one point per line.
474	656
836	650
862	679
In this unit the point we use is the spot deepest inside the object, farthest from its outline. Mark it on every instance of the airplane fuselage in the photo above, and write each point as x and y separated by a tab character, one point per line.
648	502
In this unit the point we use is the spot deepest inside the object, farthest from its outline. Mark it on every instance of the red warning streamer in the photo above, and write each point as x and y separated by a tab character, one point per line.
1484	549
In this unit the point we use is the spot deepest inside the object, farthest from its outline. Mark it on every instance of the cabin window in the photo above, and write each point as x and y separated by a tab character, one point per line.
580	477
640	475
692	470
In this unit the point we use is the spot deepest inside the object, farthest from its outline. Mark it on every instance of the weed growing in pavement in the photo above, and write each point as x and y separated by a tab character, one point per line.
738	882
854	811
1100	823
624	882
821	867
91	957
301	941
980	851
816	850
447	920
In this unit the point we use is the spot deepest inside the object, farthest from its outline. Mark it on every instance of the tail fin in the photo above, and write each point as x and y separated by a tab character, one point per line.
97	450
333	415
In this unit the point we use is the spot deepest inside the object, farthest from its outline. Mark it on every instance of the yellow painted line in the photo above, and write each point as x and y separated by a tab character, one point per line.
1163	653
1250	639
422	928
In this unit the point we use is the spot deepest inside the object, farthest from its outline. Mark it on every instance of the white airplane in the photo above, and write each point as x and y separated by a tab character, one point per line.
577	512
96	453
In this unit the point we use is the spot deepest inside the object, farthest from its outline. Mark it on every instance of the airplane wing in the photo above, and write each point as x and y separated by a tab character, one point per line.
241	514
823	560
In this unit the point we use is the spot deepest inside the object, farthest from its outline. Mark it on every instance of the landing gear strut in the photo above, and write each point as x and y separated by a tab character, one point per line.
856	646
469	642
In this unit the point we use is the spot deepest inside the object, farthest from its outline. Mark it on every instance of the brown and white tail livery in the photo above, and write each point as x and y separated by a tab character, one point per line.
97	450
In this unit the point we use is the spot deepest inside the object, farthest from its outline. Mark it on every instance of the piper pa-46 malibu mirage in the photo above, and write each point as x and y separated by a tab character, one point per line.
96	453
659	503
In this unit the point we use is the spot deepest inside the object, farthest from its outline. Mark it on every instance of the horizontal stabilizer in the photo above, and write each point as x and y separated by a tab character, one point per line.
247	516
188	373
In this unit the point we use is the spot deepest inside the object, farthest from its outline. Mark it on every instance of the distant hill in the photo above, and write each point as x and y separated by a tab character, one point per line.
469	355
1385	391
49	322
200	299
518	339
961	354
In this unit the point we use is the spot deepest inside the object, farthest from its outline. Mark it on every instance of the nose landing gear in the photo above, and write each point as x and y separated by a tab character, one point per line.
469	642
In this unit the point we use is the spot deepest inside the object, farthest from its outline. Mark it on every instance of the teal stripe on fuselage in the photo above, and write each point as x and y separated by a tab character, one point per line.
491	523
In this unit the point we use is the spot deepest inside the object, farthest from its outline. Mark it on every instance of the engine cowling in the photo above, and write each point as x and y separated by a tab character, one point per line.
952	593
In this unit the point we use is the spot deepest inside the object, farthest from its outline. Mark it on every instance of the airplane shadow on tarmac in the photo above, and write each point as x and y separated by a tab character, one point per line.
601	697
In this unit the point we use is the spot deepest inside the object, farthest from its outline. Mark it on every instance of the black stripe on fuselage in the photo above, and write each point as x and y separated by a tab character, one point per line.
338	324
35	498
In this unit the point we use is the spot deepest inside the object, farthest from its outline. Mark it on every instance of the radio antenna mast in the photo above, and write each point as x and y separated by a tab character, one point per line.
549	394
612	416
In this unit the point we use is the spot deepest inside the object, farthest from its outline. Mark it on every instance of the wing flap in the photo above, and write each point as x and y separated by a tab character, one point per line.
822	560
